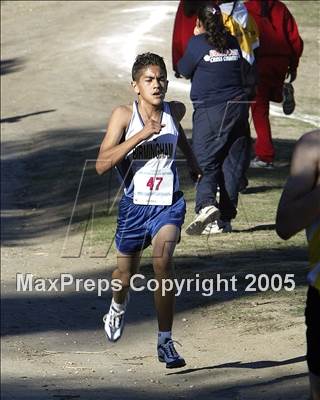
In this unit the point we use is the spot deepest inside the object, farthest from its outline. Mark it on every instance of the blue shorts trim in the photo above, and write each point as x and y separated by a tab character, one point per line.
138	224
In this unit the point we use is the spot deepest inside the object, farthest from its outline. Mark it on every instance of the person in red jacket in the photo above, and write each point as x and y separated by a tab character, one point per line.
279	53
184	24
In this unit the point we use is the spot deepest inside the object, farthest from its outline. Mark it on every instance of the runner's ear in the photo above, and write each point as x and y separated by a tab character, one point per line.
166	87
135	87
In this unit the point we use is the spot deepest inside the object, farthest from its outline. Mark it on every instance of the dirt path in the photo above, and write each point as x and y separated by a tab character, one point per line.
64	67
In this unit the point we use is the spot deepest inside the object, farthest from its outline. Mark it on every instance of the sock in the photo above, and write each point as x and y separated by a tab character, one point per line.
118	307
162	336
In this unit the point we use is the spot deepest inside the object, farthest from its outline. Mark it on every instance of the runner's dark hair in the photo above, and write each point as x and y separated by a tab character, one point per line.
216	32
143	61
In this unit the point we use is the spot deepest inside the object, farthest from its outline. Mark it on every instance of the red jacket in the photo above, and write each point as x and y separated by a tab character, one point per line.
279	35
182	32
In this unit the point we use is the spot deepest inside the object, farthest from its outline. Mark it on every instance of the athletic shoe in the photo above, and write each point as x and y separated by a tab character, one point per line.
258	163
206	214
217	227
288	103
169	355
114	322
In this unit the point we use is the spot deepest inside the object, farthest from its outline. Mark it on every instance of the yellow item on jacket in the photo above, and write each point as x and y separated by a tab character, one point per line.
243	26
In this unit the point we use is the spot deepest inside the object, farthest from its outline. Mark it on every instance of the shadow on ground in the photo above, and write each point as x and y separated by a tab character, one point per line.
51	168
59	184
11	65
18	118
65	310
287	387
245	365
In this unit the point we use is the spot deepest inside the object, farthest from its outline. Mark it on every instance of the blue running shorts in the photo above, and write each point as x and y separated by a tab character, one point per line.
138	224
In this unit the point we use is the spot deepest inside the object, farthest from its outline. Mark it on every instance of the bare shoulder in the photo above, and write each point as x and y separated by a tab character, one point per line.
122	114
178	109
118	123
311	138
310	141
308	147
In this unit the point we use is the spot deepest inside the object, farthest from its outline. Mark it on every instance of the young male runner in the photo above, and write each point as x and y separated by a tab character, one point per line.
299	208
141	142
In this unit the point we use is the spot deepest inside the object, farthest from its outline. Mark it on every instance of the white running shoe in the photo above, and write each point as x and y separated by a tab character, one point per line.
114	322
217	227
258	163
206	214
169	355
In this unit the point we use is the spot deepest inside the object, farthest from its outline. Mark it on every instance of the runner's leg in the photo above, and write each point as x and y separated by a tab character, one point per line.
164	243
127	265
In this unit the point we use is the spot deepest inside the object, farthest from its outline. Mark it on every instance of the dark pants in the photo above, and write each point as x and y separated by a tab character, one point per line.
312	314
220	143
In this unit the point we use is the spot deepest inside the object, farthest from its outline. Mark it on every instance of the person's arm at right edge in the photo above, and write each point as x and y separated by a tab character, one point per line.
299	205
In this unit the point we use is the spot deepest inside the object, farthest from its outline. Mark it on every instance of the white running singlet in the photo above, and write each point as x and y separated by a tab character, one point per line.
149	171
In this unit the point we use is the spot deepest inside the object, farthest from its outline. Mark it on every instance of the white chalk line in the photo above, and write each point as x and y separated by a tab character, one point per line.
122	49
275	111
309	119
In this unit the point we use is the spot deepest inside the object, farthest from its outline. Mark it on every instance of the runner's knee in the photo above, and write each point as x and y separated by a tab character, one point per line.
162	265
123	276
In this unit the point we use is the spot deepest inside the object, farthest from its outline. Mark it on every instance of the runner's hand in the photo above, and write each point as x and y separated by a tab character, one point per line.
292	74
151	127
195	172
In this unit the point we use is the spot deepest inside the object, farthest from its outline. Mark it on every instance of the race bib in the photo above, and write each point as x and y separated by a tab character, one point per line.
153	186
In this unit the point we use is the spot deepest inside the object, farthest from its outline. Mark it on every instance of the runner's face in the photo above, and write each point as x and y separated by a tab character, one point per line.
152	85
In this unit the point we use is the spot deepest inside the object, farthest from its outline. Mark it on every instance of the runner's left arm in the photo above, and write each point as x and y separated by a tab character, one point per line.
179	110
195	170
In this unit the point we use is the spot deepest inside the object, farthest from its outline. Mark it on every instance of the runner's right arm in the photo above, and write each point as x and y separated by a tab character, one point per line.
111	150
